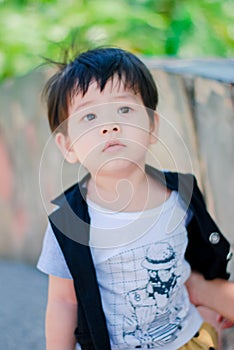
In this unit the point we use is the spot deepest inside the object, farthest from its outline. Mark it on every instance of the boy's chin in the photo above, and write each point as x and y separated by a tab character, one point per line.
115	166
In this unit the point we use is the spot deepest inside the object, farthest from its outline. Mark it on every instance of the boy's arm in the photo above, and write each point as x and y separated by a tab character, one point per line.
217	294
61	314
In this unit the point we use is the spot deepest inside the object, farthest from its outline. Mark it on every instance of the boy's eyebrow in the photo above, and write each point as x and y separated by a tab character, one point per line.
82	105
94	103
124	97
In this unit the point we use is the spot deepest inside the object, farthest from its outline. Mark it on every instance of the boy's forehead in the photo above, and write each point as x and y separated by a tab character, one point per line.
113	85
115	90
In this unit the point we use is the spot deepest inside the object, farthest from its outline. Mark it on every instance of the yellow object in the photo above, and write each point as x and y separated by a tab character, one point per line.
205	339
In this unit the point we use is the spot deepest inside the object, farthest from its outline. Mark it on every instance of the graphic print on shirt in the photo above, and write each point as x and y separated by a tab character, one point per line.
144	298
152	320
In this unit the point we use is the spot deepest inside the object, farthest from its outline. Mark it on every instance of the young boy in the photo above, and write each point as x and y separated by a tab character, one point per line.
122	243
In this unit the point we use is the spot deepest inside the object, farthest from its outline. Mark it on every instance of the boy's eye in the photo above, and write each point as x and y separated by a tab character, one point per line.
89	117
124	110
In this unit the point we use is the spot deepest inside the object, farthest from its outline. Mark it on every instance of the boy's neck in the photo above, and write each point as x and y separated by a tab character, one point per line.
129	190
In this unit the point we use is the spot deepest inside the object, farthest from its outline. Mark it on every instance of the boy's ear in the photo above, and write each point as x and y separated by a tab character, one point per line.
64	144
154	126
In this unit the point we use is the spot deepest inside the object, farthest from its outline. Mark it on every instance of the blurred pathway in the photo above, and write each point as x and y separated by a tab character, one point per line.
23	293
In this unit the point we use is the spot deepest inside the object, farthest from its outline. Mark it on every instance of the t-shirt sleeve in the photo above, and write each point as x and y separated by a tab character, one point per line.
51	260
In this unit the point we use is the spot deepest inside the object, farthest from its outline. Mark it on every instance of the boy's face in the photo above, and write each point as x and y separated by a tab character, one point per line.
108	130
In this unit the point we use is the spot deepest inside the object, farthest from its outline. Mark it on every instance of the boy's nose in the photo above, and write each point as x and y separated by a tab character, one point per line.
106	129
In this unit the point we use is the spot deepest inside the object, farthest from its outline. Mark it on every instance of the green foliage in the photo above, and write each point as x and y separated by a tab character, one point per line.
32	29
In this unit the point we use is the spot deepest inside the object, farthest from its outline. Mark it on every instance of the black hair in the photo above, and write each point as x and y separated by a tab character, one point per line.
100	65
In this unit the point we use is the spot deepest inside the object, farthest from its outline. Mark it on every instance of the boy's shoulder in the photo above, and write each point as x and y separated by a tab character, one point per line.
78	190
172	179
65	196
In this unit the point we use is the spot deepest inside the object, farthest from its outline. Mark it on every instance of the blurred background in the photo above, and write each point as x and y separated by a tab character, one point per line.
189	47
31	29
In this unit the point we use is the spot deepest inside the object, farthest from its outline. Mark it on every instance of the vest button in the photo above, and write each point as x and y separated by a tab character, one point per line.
214	238
229	256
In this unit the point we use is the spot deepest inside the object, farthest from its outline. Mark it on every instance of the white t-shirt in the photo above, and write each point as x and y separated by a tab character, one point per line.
141	271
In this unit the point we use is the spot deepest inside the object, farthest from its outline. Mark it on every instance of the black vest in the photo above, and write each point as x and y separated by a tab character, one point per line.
207	250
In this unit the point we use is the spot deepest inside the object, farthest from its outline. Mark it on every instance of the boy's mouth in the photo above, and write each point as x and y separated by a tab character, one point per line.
113	145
